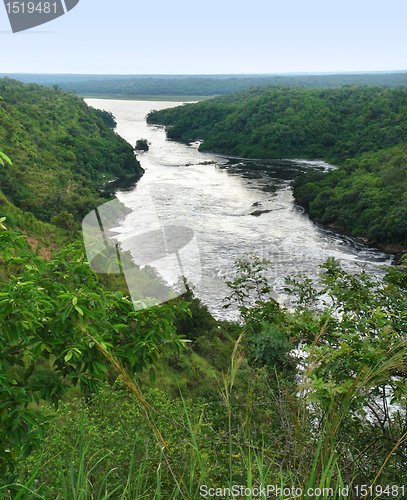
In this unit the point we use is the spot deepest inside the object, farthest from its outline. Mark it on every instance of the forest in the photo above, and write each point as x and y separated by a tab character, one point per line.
62	150
99	401
133	86
361	130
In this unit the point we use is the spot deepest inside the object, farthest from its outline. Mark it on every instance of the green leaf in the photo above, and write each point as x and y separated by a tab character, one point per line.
4	157
66	313
28	372
79	310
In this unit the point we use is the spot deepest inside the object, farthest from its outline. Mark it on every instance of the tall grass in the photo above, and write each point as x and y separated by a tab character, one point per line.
316	461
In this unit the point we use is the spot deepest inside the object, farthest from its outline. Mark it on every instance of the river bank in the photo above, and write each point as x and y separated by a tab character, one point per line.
214	195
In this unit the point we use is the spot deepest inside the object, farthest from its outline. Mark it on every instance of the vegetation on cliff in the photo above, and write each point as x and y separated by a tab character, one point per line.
365	196
61	150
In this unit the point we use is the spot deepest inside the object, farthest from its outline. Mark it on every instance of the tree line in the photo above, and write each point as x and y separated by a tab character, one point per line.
132	86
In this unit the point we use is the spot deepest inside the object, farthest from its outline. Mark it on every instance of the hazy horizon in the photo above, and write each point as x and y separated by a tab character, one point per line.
180	38
209	75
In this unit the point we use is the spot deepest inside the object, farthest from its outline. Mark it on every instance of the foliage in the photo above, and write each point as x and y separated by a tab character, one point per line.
57	311
142	144
201	321
107	117
28	204
61	150
4	157
185	123
66	221
330	426
364	197
353	328
285	122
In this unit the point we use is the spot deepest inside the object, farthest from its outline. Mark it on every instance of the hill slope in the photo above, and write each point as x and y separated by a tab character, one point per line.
334	124
362	129
60	149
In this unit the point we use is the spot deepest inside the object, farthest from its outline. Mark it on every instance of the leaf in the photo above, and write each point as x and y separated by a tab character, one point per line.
4	157
66	313
68	356
79	310
74	301
152	375
28	372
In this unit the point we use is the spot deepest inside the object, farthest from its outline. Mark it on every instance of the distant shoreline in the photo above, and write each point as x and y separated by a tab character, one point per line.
172	98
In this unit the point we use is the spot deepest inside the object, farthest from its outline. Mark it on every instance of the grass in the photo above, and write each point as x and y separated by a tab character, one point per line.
314	473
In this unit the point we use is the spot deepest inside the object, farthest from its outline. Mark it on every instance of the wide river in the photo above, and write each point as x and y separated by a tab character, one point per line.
215	195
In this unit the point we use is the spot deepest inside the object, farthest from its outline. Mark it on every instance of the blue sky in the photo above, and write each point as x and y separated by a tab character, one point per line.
212	36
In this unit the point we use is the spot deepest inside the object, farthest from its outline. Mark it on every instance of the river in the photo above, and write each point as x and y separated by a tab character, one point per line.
215	196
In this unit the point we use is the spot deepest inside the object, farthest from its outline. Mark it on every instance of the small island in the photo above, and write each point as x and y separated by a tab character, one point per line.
142	145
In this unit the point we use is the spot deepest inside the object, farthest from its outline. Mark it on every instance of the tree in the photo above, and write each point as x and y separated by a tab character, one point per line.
107	117
142	145
58	312
344	340
28	204
65	221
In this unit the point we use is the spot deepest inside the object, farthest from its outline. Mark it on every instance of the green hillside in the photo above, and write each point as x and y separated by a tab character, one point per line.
98	400
333	124
366	197
61	150
363	130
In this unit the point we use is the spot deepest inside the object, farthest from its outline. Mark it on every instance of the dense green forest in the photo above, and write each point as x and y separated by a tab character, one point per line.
363	130
128	86
100	401
334	124
61	149
365	197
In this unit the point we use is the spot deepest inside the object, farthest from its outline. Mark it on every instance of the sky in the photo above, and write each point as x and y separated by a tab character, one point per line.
212	37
